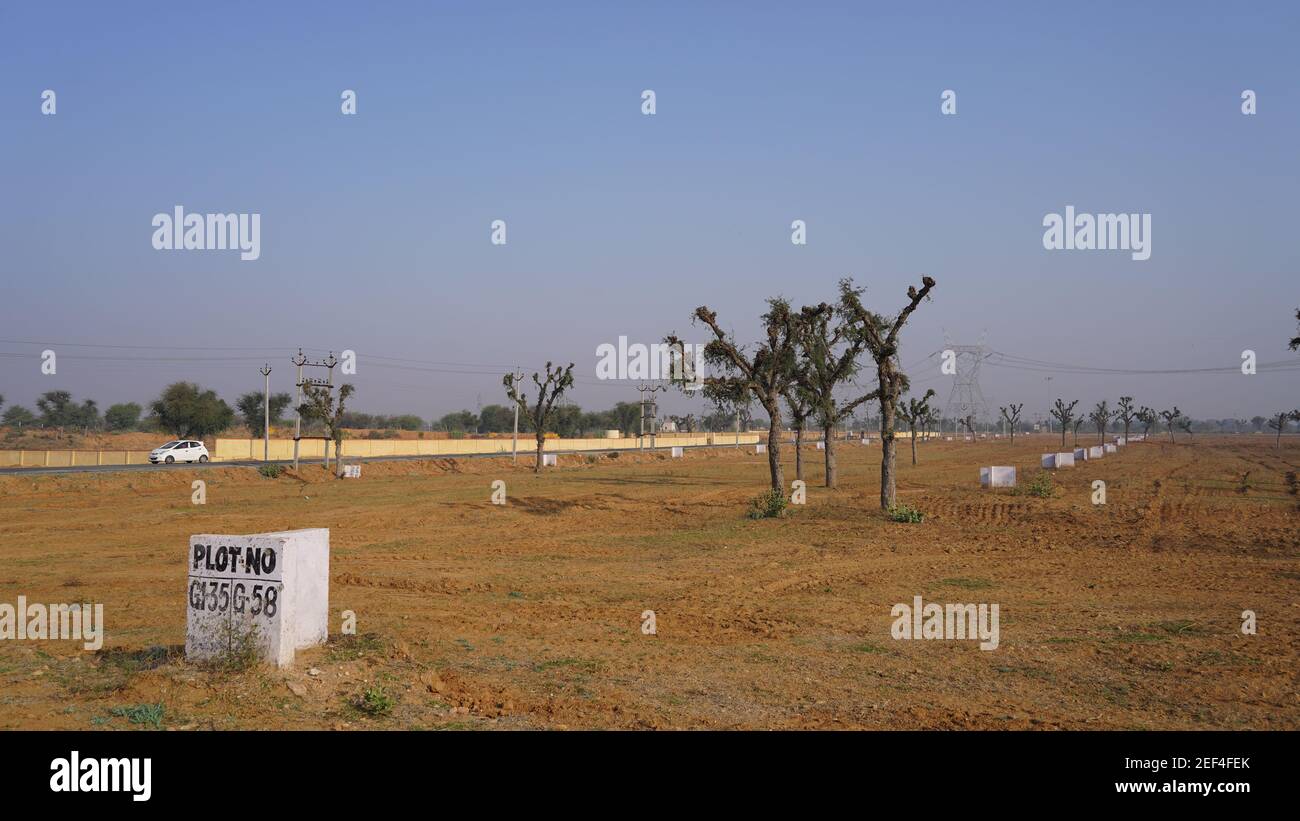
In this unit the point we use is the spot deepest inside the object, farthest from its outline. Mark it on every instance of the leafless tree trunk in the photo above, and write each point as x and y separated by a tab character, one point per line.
832	470
774	446
888	489
798	452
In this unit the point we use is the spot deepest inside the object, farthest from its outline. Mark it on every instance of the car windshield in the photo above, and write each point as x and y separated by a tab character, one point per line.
169	445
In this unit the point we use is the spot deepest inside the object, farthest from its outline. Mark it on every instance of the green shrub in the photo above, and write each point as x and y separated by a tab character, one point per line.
151	714
768	505
907	514
1041	486
270	471
374	701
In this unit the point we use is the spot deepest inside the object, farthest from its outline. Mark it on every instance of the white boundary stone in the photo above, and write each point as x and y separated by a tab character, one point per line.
271	589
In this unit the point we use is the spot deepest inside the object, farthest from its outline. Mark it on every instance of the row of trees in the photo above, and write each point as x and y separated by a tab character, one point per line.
806	363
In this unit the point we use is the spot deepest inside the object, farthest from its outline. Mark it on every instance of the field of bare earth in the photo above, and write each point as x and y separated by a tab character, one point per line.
529	615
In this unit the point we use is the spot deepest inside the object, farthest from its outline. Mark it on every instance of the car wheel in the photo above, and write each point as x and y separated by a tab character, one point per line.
202	459
170	459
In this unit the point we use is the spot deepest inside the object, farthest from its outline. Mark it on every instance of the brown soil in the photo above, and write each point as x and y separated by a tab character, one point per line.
1126	615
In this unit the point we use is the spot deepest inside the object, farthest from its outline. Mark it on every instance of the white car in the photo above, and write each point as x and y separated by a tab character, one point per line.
181	450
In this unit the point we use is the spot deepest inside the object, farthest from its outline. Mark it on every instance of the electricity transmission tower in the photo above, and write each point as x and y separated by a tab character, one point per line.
966	398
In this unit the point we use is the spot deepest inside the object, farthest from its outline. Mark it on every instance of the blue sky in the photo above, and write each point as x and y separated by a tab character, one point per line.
375	228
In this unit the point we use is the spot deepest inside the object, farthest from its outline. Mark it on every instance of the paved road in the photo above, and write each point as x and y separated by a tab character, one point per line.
523	454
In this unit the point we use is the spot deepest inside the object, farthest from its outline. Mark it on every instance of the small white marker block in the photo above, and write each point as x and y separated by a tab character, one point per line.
550	460
998	476
1049	461
352	471
1112	448
1081	454
947	438
677	453
821	446
1096	452
760	448
1065	460
967	439
269	591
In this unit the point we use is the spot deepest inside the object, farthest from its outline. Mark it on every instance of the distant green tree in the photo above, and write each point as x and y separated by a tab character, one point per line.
459	421
253	413
18	417
59	411
496	419
122	416
190	412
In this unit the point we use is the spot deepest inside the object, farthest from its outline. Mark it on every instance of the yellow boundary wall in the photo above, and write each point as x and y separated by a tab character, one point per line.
71	458
227	450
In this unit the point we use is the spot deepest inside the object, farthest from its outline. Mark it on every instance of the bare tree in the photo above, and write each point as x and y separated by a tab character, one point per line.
969	422
915	412
1278	423
765	375
932	418
1185	425
322	406
1013	418
881	337
1126	413
1101	416
1148	418
1064	413
1171	420
829	347
799	404
549	390
1295	343
1078	423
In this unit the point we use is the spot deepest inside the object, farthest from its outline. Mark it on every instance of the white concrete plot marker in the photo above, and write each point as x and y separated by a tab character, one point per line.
1096	452
1112	448
1064	460
998	476
1049	461
352	471
1081	454
821	446
550	460
760	448
677	453
266	593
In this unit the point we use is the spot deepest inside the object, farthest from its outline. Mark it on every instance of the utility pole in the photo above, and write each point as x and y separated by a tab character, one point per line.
514	442
328	384
266	412
648	411
298	360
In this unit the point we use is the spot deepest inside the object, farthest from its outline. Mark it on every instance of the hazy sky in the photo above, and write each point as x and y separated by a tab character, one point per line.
375	227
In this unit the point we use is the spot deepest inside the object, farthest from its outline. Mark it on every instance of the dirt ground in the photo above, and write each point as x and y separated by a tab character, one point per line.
529	615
